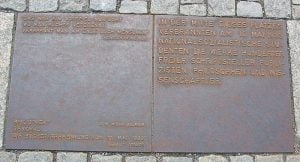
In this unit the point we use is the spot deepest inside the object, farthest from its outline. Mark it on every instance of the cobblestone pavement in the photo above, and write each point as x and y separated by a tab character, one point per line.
269	9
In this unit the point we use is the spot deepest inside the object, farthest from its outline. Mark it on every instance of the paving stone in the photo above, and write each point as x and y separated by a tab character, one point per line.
278	8
18	5
249	9
193	9
73	5
191	1
130	6
293	158
269	158
296	1
71	157
7	157
212	158
242	158
294	39
296	12
43	5
221	7
102	158
103	5
164	6
6	26
36	157
296	99
140	159
177	159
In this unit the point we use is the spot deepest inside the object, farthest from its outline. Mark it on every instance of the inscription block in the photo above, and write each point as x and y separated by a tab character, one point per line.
221	85
141	83
81	82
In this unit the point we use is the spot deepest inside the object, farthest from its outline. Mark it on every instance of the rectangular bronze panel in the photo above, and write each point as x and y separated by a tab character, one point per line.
81	82
221	85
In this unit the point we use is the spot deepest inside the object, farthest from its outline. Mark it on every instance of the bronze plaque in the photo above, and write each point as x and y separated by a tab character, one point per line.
221	85
142	83
81	82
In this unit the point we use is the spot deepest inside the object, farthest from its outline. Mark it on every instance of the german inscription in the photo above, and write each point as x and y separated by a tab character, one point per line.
81	82
83	25
141	83
203	52
221	85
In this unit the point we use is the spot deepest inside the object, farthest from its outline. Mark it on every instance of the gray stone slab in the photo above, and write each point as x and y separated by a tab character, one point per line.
296	1
269	158
277	8
35	157
7	157
221	7
73	5
296	11
249	9
212	158
18	5
106	158
193	9
164	7
241	158
140	158
84	83
103	5
6	29
43	6
203	102
191	1
293	158
129	6
294	38
71	157
177	159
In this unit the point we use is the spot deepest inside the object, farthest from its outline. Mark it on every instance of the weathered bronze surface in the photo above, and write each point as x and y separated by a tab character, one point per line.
221	85
94	82
81	82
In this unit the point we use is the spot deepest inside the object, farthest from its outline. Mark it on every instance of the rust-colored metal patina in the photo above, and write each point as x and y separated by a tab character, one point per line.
142	83
81	82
